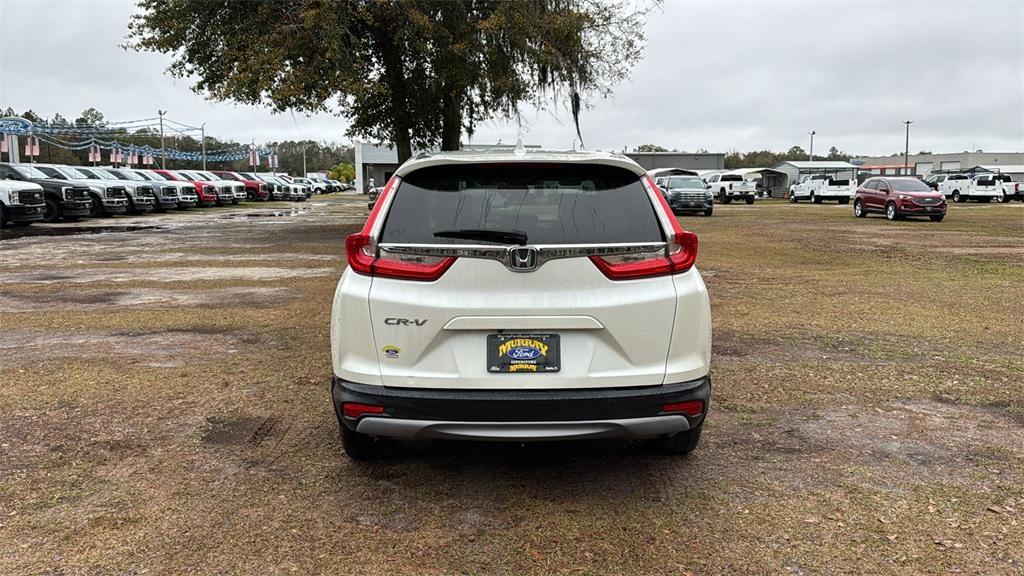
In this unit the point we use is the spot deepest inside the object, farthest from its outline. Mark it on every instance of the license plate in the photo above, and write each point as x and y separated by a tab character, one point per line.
530	353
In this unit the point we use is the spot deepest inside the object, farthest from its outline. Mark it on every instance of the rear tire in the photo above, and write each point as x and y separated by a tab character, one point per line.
709	210
956	197
4	216
844	200
815	199
680	443
750	199
361	447
1006	198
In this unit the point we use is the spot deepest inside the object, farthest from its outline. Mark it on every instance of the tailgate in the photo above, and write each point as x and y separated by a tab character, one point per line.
610	333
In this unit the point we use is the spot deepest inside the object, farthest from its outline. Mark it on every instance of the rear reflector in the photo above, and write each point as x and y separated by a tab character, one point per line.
690	407
353	410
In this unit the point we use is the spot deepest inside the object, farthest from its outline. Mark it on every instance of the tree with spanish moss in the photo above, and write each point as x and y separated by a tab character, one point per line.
415	73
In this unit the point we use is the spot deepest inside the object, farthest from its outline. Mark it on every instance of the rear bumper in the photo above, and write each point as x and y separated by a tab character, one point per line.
520	415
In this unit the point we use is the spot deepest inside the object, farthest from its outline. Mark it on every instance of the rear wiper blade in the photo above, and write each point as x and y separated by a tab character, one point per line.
495	236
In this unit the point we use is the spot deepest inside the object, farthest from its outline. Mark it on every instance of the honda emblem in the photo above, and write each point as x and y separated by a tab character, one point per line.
522	259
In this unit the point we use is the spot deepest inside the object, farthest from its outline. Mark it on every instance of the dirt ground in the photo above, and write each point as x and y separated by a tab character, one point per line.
164	409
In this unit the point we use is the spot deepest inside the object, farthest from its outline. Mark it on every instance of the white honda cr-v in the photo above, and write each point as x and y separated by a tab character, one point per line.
520	296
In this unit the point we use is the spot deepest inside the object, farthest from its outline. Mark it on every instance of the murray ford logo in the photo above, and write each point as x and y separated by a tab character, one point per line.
522	259
523	349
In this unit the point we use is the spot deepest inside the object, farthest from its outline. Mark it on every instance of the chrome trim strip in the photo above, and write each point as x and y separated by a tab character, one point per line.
503	253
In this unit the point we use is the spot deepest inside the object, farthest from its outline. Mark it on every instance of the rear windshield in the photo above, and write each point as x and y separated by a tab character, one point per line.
548	204
909	185
731	178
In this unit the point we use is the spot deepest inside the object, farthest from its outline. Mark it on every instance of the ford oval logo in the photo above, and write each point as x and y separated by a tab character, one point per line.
523	353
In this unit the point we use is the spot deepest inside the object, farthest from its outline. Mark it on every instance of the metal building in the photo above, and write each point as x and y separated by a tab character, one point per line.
375	163
686	161
793	169
923	164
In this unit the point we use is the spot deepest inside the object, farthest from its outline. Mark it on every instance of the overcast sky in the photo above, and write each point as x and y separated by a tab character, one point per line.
716	75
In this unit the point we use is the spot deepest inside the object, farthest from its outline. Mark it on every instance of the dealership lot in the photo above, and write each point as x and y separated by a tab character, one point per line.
165	408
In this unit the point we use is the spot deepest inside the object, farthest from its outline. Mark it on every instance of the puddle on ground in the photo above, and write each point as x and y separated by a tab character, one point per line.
267	214
59	230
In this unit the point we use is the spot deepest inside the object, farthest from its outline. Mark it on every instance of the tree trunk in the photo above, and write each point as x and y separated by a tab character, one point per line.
403	144
451	119
394	74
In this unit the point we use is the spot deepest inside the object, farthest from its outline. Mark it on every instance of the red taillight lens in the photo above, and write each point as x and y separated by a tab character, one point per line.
358	252
680	255
362	254
362	259
690	407
355	410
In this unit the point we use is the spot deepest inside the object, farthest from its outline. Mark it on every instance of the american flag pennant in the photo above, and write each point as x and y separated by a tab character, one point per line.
35	146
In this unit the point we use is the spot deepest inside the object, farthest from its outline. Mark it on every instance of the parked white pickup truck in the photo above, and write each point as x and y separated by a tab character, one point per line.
818	187
729	186
981	187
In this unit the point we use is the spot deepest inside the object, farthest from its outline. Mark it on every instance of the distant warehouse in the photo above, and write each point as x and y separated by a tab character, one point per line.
684	160
924	164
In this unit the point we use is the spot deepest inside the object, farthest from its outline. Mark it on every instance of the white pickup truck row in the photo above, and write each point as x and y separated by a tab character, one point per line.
819	187
983	187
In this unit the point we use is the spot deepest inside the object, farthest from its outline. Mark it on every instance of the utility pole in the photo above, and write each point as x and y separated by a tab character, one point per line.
203	130
163	152
304	161
906	150
810	155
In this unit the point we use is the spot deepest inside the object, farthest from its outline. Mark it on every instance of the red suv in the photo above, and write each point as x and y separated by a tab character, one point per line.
898	198
255	189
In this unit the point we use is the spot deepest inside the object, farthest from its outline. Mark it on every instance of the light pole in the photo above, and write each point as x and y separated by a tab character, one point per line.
810	155
163	153
906	150
202	129
303	160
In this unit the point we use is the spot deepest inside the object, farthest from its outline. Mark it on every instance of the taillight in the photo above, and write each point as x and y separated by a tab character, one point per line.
363	258
679	256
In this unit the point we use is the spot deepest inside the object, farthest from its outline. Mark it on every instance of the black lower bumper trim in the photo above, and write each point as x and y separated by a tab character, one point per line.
520	405
32	213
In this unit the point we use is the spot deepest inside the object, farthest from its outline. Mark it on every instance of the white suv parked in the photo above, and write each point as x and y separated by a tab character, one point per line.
520	296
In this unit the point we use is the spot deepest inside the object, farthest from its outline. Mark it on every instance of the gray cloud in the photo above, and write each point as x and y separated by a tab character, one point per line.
719	76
